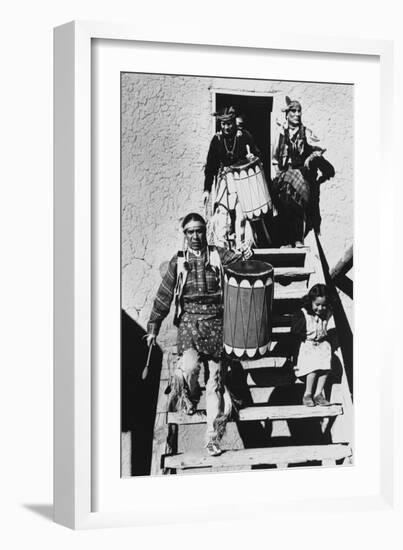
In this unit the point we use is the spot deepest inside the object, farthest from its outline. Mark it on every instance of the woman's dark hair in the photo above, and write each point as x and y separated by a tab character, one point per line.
193	216
317	291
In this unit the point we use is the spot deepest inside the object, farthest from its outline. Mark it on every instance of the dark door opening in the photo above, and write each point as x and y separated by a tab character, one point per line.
256	112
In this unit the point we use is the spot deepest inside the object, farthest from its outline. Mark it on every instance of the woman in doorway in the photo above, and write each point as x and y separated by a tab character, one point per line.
229	146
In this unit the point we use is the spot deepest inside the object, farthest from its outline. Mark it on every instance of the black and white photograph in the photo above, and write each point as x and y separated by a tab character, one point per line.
237	236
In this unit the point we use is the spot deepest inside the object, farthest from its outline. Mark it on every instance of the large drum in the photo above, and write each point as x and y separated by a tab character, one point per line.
248	296
251	187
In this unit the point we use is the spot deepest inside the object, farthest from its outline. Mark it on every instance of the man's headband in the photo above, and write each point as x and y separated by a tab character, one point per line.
291	104
194	224
226	114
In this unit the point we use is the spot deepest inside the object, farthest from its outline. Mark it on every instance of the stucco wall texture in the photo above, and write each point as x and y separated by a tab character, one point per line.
166	130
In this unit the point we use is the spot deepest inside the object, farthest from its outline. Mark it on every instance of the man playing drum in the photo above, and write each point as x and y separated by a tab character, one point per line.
194	281
229	146
296	159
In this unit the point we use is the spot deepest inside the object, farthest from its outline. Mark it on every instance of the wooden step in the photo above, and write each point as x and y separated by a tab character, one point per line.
280	251
280	330
260	456
282	257
292	272
264	363
274	361
289	293
288	412
260	395
267	412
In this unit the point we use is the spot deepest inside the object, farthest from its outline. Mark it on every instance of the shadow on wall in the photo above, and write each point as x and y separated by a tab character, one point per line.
139	397
343	326
321	171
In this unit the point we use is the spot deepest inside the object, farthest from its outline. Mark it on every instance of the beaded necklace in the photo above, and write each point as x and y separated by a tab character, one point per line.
229	152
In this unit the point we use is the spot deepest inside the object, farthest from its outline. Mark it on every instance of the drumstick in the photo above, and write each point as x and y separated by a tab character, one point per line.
145	371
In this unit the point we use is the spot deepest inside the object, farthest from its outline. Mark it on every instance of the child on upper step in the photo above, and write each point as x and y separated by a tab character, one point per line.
312	327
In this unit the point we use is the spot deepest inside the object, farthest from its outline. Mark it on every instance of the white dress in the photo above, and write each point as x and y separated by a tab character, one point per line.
316	352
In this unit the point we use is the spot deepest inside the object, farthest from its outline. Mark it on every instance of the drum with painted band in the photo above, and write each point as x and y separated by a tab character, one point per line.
251	187
248	297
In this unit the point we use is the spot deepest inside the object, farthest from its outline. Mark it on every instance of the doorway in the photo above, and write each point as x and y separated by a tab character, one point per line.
256	112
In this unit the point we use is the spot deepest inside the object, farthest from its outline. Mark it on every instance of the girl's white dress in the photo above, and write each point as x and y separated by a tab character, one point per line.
315	353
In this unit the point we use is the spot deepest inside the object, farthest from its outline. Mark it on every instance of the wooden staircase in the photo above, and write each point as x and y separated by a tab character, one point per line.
272	428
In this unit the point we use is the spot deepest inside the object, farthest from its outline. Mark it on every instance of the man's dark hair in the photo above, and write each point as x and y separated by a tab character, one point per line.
193	216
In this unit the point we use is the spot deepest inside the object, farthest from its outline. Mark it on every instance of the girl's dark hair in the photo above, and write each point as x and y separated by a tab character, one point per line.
193	216
317	291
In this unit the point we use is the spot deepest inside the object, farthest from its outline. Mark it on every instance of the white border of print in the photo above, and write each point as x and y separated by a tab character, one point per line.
88	489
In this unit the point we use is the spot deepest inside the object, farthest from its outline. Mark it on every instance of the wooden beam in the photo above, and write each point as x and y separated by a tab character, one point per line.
160	437
345	284
313	261
343	265
254	457
268	412
162	430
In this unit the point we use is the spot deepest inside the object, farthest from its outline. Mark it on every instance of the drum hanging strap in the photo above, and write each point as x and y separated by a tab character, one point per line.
181	277
215	262
223	177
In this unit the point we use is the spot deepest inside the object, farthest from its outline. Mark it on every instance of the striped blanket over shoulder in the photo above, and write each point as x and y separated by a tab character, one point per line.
290	185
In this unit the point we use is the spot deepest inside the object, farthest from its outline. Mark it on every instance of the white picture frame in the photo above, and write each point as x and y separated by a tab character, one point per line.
77	472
